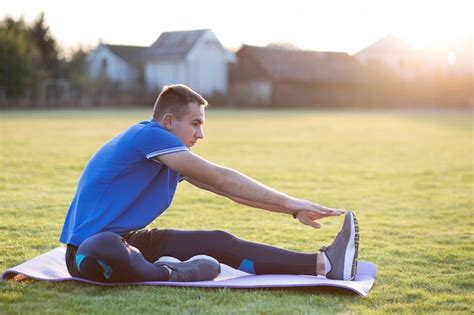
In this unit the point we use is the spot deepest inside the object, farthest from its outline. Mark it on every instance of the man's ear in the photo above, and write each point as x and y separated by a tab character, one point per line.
167	121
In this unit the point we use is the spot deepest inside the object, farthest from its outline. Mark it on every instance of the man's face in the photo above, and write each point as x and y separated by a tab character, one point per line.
189	128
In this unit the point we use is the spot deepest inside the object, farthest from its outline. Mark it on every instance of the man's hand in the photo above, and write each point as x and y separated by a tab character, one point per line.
308	212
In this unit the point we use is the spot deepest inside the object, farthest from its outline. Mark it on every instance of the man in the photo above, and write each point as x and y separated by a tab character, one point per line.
132	179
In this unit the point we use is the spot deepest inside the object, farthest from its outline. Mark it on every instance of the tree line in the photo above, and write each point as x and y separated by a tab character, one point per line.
30	55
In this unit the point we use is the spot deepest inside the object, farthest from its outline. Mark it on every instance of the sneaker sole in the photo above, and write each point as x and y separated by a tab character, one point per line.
352	249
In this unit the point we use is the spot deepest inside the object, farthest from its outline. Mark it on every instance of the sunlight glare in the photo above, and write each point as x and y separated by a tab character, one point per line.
451	57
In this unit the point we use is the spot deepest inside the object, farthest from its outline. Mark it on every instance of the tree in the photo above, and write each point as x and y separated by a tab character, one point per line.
42	39
28	54
75	70
16	66
15	27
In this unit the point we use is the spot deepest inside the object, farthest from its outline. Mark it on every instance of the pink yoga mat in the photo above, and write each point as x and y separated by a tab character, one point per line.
52	267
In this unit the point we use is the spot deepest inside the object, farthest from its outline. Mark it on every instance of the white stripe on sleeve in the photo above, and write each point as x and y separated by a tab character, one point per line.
165	151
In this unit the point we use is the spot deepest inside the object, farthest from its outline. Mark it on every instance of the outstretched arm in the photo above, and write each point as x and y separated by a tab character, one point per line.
243	189
261	205
305	217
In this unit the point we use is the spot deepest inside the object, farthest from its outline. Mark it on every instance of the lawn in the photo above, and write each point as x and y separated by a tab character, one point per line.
407	174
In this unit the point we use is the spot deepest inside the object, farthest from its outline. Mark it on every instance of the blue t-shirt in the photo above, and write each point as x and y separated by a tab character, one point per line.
123	188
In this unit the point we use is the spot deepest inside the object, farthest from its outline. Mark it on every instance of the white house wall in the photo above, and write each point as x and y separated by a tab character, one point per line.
158	74
116	70
209	66
205	68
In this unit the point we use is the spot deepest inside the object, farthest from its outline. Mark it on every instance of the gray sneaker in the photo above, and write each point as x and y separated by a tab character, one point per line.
197	268
342	253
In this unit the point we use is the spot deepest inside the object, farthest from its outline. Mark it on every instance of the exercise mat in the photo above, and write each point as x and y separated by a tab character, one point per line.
51	266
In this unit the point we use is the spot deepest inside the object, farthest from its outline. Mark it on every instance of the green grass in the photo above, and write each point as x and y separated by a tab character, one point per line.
408	175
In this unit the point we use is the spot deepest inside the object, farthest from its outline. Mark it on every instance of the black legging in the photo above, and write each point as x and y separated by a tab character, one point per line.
107	257
240	254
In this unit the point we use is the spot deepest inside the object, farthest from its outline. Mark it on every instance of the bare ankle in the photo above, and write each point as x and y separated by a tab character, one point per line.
323	266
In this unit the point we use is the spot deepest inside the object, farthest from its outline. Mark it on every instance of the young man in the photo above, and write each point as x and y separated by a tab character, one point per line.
132	179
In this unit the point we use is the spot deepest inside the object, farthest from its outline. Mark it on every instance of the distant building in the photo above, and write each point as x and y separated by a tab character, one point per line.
400	58
457	57
195	58
407	62
271	76
463	61
118	63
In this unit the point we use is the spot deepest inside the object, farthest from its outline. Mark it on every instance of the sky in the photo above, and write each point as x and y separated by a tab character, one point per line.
347	26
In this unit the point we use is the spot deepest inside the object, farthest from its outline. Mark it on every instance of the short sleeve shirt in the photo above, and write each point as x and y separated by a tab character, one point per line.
123	187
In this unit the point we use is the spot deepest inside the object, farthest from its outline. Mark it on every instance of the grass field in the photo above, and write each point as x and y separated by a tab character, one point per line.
408	175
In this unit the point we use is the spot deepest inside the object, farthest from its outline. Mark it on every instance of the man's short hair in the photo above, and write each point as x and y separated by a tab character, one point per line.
175	99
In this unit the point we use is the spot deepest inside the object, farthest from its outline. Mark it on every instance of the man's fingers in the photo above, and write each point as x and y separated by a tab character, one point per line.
331	211
309	222
336	213
315	225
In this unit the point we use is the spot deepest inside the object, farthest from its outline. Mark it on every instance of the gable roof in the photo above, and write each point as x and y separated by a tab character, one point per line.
174	45
387	45
129	54
302	65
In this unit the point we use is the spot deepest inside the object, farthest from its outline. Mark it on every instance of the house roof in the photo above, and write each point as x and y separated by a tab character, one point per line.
301	65
387	45
130	54
174	45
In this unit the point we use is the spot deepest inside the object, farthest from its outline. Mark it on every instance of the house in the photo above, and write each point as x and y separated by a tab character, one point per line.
270	76
195	58
401	59
118	63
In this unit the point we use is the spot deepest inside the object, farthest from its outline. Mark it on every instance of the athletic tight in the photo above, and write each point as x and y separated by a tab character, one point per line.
109	257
